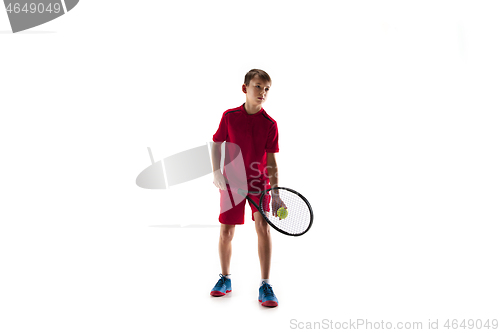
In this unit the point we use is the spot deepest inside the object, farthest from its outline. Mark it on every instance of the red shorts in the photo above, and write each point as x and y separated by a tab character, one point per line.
233	205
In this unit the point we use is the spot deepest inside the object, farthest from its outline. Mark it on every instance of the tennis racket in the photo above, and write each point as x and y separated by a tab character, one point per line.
295	217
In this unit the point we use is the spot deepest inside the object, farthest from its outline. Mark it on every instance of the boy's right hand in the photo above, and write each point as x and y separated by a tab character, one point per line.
219	180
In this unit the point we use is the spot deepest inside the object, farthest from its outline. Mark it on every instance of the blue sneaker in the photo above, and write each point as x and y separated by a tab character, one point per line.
222	286
266	295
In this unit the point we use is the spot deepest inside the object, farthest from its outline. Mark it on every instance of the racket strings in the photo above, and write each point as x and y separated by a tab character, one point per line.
298	218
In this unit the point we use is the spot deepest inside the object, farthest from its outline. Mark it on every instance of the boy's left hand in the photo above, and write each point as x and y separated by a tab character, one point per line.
276	204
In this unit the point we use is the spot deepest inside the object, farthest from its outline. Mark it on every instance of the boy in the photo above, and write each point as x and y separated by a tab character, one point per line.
256	134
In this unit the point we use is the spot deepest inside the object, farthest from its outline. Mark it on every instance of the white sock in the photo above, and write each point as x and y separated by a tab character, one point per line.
264	280
227	276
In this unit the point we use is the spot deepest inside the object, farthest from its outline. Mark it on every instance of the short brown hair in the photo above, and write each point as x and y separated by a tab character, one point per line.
257	72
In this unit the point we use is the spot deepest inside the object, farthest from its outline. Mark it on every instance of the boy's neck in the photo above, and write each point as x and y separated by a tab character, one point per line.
252	109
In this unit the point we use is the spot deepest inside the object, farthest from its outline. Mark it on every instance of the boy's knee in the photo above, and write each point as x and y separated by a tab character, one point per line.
227	232
261	226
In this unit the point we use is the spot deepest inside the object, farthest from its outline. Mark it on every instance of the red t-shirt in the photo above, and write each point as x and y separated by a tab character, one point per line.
255	134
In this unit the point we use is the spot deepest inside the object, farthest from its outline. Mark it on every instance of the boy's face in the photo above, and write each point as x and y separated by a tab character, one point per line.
257	91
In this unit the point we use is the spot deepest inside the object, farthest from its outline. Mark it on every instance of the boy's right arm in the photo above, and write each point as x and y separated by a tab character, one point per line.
219	180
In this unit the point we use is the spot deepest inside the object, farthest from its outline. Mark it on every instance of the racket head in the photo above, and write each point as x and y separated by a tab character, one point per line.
300	214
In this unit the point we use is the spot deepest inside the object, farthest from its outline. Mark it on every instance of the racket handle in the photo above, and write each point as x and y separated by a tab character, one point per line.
245	193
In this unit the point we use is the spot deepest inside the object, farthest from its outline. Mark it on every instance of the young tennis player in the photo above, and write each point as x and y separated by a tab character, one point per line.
256	134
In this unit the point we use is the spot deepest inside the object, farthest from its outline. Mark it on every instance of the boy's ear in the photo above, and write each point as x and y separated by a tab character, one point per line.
244	88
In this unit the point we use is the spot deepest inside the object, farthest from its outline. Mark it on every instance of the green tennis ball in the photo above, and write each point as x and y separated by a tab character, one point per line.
282	213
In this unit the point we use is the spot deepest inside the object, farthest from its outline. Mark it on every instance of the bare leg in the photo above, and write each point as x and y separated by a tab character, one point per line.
225	248
265	244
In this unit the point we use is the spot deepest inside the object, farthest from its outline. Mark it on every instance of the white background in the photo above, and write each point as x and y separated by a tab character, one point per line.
388	113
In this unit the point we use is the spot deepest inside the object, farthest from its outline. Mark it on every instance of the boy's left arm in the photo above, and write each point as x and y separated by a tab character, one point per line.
272	171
